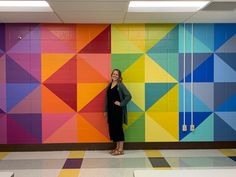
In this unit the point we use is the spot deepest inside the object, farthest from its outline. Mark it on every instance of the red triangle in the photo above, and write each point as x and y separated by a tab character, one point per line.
100	44
96	105
66	74
67	92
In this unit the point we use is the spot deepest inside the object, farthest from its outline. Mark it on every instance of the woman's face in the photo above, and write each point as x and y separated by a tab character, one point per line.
115	76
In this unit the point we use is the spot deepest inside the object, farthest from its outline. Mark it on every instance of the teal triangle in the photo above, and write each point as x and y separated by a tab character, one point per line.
154	91
219	67
204	131
169	42
136	131
124	61
168	61
132	107
223	132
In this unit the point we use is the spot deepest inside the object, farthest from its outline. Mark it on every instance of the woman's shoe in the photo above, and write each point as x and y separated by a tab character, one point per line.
118	152
113	150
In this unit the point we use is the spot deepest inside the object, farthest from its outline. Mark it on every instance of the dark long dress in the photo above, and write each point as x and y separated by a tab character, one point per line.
114	115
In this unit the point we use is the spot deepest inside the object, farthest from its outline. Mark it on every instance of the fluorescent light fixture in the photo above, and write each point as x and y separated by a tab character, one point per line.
25	6
166	6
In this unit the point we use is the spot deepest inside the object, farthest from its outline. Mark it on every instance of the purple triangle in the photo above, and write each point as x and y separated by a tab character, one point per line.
16	74
2	37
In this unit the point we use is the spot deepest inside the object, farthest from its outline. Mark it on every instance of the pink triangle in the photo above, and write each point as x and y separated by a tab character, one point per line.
30	104
3	104
100	62
3	129
30	62
52	122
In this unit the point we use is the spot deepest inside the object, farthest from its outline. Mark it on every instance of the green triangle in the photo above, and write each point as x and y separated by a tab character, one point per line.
168	61
124	61
136	131
204	131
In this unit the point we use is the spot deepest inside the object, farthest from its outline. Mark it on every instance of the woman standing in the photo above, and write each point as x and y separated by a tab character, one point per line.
116	100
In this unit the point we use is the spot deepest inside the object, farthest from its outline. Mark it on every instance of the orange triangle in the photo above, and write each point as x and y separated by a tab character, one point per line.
87	133
52	62
99	62
86	73
52	103
86	33
67	133
91	90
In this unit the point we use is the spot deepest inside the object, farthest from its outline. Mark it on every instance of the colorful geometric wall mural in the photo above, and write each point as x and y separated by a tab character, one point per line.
53	79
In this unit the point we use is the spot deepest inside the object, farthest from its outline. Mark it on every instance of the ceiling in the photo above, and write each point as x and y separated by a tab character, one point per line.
115	11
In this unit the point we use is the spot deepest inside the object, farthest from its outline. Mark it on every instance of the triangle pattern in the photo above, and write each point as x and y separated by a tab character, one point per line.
16	92
220	31
154	132
93	136
167	120
66	74
100	62
228	58
85	71
204	72
204	132
229	46
222	131
162	104
92	91
100	44
133	117
228	117
120	43
219	66
86	33
95	105
53	127
135	73
16	74
30	104
3	130
132	107
154	91
124	61
136	131
98	121
2	37
228	105
53	104
169	41
66	92
53	62
155	73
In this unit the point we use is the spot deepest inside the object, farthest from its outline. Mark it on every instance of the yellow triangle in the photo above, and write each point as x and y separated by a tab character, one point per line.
52	62
138	93
91	90
168	103
155	73
135	73
155	133
133	117
167	120
156	32
120	43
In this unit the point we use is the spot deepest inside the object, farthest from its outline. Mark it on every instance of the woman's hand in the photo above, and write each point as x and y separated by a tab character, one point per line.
117	103
105	114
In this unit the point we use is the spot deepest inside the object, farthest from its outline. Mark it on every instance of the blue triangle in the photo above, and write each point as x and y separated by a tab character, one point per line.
16	92
132	107
199	117
228	58
204	132
170	42
228	117
222	33
219	67
204	72
154	91
228	105
222	131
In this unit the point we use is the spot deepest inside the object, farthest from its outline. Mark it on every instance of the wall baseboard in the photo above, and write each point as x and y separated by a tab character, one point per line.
128	146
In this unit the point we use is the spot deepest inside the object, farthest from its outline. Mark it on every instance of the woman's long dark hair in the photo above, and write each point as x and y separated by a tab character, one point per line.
119	72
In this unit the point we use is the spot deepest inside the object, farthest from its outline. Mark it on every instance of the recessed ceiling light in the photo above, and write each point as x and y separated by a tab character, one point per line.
166	6
25	6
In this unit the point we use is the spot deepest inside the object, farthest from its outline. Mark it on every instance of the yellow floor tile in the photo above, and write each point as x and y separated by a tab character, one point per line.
153	153
228	152
3	154
69	173
76	154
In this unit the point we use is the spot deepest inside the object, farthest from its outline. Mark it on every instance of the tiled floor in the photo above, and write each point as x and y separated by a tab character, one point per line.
102	164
